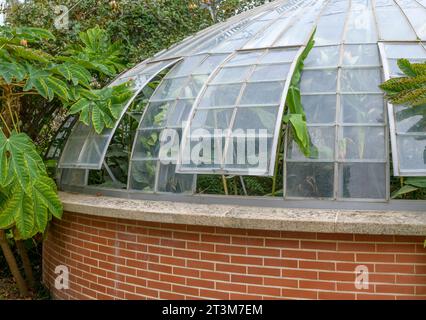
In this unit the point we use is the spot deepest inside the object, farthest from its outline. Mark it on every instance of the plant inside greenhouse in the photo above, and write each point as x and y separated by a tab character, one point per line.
134	133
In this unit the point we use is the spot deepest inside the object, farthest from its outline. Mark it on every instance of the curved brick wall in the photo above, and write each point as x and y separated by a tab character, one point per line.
123	259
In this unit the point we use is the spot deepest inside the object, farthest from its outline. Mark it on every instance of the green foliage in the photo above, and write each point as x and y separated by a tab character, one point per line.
410	185
296	116
28	196
409	90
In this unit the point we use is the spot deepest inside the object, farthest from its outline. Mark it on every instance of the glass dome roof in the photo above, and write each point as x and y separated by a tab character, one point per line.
235	76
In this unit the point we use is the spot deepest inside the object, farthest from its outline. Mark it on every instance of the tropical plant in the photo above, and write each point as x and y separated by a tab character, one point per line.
28	196
410	91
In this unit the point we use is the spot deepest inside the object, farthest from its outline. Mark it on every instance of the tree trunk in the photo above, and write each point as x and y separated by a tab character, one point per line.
22	250
13	266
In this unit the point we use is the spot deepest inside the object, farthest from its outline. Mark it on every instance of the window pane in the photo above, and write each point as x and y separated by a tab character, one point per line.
320	108
323	57
220	95
147	144
256	118
361	55
410	120
170	181
362	80
260	93
318	81
362	108
212	119
229	75
412	152
310	180
142	175
362	143
363	180
275	72
322	144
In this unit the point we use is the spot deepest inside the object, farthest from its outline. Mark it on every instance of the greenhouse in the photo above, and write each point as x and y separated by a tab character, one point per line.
229	83
213	150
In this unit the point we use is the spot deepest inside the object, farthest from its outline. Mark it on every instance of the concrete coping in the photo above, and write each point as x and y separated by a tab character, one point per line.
258	218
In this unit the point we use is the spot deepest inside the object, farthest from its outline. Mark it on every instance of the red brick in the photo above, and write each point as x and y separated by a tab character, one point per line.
232	287
186	290
263	252
238	296
214	294
259	242
356	247
171	296
200	283
265	291
231	249
246	260
319	245
215	257
382	288
397	248
297	254
231	268
370	257
200	246
320	285
246	279
297	273
186	254
394	268
172	279
159	285
215	238
335	296
215	276
284	263
280	243
173	261
299	294
186	272
160	250
410	279
200	265
411	258
264	271
281	282
186	236
336	256
317	265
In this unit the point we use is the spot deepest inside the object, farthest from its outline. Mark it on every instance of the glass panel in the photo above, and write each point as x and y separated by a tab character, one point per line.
323	57
249	155
409	137
155	115
362	143
310	180
169	88
74	177
147	144
362	108
410	120
193	87
330	29
220	95
185	67
416	14
408	51
363	180
412	152
234	74
179	113
142	175
361	25
210	64
318	81
361	55
256	118
279	56
322	144
170	181
361	80
245	58
260	93
320	108
212	119
388	16
270	72
203	152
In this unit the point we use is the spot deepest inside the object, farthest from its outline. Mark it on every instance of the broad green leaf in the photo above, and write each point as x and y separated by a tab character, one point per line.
404	190
419	182
405	67
44	193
